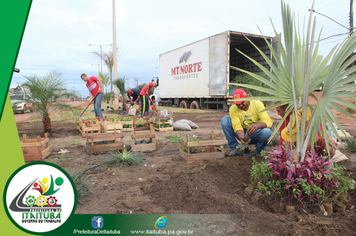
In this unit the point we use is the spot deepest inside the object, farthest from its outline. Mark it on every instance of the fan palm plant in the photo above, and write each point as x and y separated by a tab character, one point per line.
120	84
300	71
42	90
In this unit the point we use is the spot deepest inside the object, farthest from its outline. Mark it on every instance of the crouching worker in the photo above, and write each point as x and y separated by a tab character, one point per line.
244	126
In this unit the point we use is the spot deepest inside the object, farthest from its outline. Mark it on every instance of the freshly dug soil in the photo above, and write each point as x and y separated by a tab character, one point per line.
167	184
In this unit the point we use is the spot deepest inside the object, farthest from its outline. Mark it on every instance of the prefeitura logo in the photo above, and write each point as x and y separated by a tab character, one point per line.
39	197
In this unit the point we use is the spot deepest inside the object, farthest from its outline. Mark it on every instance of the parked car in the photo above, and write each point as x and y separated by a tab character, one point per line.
19	103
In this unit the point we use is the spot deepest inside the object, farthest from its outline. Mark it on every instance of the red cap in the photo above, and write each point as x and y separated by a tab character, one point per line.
239	93
130	91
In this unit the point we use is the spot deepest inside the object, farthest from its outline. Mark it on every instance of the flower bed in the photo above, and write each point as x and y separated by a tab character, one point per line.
87	125
161	122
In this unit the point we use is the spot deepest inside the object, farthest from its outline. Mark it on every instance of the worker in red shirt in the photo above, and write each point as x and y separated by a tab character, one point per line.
94	85
144	97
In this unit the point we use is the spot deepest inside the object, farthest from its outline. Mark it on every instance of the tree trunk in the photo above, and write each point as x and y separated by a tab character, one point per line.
47	125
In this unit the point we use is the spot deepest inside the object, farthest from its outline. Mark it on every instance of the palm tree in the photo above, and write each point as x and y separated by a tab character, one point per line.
120	84
42	90
105	80
108	58
300	71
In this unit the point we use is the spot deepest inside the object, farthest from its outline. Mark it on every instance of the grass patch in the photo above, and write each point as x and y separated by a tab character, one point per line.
74	143
173	138
351	144
59	160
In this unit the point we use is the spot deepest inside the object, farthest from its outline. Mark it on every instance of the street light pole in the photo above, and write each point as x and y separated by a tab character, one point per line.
116	92
98	67
101	54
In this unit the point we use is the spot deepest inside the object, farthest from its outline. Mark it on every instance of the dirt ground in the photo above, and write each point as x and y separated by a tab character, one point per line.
167	184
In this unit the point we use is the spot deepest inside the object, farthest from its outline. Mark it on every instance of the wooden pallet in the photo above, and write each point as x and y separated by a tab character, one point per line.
143	147
206	149
106	127
104	142
35	149
147	128
165	129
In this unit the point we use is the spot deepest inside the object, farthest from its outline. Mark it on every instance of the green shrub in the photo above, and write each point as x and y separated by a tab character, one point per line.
125	158
351	144
173	138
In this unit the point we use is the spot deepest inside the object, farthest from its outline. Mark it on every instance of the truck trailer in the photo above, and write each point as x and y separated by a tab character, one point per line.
197	75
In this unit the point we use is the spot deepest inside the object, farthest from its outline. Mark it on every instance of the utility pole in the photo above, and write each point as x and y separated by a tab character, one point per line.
128	83
101	54
351	16
136	82
116	93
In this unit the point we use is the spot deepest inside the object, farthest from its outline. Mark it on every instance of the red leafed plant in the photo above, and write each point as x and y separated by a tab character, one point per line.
316	178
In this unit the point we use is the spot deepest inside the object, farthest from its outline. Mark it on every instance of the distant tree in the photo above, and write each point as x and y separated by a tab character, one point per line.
120	84
105	80
141	87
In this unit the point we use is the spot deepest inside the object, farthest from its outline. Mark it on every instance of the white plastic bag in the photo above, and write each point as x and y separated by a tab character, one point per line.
164	113
132	111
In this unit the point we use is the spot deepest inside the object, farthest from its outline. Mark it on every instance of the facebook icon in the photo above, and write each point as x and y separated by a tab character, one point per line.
97	222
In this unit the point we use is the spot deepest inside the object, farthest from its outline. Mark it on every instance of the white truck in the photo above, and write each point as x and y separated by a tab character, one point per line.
197	75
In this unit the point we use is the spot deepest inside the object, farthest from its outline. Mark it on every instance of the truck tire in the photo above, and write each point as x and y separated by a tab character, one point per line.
194	105
184	104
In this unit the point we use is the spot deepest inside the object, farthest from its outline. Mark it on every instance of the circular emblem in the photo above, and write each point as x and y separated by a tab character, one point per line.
39	197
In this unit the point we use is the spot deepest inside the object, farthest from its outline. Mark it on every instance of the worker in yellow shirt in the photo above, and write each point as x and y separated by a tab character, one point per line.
245	125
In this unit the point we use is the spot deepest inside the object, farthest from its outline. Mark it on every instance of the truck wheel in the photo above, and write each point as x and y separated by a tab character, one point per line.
194	105
184	104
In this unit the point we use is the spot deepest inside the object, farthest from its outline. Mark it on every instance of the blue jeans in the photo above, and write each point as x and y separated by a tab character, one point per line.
97	105
259	138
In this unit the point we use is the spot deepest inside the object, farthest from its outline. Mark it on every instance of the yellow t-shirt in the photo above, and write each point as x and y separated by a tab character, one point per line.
243	119
286	131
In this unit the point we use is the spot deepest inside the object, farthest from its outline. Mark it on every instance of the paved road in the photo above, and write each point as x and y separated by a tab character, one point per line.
28	116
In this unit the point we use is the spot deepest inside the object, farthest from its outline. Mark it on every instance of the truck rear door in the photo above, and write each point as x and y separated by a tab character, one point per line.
218	61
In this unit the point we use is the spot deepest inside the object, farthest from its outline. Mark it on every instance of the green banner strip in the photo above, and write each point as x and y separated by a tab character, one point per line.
13	18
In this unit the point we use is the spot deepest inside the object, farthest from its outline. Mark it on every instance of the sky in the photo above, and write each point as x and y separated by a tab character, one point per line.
58	32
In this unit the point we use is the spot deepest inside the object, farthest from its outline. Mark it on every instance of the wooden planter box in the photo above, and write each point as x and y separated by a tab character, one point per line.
143	147
108	127
161	129
146	126
130	129
205	149
89	129
35	149
104	142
